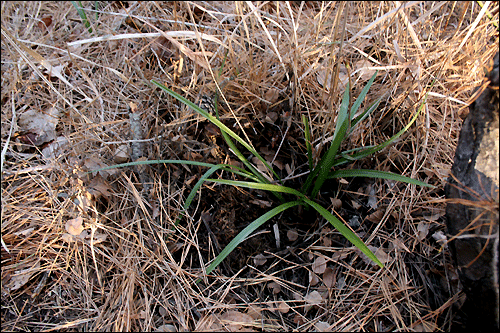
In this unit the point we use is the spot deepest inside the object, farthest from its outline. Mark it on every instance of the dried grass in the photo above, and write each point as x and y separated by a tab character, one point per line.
130	271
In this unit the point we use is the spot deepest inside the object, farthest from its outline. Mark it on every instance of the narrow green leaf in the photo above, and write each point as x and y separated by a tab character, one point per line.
377	174
345	231
237	152
367	151
217	123
328	159
248	231
195	189
82	14
308	140
362	96
259	186
365	114
226	167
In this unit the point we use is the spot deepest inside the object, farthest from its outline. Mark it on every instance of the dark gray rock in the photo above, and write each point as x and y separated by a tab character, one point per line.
472	211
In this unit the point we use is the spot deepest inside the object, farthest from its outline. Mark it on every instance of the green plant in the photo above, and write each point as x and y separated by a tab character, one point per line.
346	122
83	16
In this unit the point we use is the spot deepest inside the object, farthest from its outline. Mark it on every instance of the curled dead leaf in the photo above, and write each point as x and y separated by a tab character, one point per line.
322	326
42	125
67	238
75	226
166	328
94	163
254	311
121	154
336	203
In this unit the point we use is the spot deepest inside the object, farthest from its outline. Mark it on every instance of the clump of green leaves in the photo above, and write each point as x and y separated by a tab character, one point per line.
319	173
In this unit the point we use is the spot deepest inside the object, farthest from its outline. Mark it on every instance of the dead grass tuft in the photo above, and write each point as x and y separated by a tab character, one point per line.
100	252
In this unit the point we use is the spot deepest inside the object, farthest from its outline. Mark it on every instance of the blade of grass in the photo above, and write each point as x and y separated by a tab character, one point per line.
371	150
341	126
82	14
365	114
328	159
217	123
308	138
195	189
242	158
248	231
259	186
376	174
362	96
345	231
226	167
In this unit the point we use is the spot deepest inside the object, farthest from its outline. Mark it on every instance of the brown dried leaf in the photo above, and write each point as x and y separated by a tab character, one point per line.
67	238
336	203
261	203
42	125
362	66
292	235
166	328
379	253
423	230
376	216
327	242
299	319
275	287
259	260
121	154
55	148
209	323
21	277
339	255
45	22
283	307
312	299
75	226
271	117
259	164
322	326
319	265
234	320
425	326
355	204
254	311
278	163
313	279
329	277
94	163
99	186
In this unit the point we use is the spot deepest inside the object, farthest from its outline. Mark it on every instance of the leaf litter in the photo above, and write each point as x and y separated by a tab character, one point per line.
135	256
